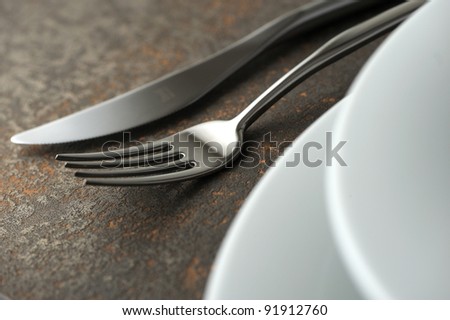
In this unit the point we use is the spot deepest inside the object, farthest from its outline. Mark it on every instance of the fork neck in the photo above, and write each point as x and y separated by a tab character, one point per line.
277	90
336	48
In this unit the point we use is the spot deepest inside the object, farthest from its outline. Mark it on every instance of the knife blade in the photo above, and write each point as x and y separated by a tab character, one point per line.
181	88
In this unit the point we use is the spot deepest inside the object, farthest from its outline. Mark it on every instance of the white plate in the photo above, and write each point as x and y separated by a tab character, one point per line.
280	245
391	206
378	228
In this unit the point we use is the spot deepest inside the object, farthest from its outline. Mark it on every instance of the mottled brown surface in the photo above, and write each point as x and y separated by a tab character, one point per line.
60	239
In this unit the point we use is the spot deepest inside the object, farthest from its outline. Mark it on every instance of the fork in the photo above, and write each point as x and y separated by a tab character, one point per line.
208	147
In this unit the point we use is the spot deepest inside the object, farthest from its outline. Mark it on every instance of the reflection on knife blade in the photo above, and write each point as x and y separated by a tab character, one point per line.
181	88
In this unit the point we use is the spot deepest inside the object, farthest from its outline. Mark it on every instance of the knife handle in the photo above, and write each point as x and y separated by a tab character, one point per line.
183	87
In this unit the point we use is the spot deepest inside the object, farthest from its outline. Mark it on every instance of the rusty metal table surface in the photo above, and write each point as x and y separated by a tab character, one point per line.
61	239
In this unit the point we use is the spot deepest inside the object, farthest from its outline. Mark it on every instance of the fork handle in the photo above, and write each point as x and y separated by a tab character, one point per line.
187	85
336	48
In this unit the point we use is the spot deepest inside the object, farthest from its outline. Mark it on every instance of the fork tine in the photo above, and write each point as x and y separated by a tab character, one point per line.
146	159
157	146
104	173
187	174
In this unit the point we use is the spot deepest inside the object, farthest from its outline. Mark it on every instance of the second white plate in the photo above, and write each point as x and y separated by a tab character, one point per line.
280	246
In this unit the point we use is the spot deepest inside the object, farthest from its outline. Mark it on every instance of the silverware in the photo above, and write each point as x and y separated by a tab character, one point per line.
181	88
210	146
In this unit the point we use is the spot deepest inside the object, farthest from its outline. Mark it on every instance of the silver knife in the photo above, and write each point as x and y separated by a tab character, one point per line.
179	89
